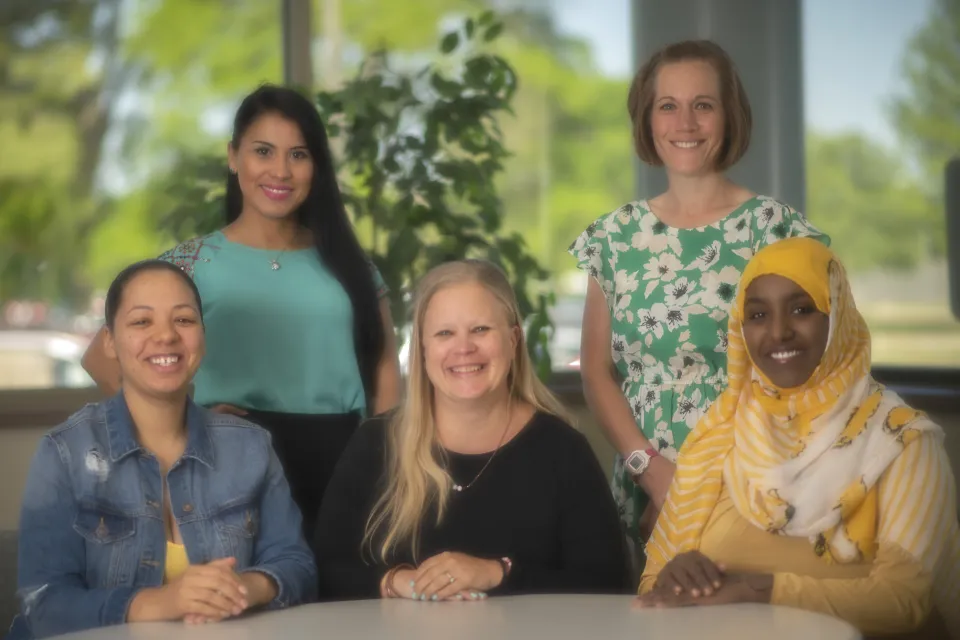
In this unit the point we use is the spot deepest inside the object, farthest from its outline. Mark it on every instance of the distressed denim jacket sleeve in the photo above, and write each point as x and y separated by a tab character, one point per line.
54	598
281	551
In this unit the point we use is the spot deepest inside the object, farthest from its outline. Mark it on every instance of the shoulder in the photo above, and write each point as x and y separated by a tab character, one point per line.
75	437
768	208
372	433
598	248
88	425
187	254
776	220
559	434
613	224
80	420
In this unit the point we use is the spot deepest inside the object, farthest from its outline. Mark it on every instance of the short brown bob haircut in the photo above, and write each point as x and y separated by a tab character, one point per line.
738	119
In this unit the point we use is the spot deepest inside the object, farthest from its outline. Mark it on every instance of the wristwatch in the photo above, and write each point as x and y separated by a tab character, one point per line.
638	461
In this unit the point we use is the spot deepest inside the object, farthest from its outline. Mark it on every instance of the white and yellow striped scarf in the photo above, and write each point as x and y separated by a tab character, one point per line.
798	462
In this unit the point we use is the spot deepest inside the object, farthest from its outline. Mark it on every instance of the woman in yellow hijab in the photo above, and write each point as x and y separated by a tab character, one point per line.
808	484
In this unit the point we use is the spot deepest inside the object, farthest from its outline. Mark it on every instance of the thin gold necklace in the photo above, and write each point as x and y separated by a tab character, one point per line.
503	436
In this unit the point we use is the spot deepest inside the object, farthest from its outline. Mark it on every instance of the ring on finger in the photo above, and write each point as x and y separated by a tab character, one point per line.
452	579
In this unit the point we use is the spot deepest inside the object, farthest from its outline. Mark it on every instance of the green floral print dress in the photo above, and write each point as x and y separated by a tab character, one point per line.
669	293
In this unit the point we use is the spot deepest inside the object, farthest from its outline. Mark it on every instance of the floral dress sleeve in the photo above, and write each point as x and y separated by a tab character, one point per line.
596	254
778	221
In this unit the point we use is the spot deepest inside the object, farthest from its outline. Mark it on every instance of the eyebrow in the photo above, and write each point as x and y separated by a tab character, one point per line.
702	96
149	308
273	146
793	296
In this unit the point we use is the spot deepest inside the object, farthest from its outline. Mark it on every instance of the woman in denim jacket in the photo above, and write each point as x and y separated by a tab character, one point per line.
147	507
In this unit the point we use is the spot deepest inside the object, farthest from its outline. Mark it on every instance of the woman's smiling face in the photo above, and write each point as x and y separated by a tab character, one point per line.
786	335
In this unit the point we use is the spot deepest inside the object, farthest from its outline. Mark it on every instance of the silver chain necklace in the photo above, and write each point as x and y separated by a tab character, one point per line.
275	262
460	487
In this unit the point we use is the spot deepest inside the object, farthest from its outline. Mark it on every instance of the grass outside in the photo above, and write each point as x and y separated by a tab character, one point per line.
913	334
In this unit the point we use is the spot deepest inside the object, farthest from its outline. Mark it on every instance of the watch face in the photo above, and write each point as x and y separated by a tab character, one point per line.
637	462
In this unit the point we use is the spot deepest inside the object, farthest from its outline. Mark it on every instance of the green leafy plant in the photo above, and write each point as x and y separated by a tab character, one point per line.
420	153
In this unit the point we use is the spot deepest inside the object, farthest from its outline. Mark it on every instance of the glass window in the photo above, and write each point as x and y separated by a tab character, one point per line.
880	109
569	135
103	106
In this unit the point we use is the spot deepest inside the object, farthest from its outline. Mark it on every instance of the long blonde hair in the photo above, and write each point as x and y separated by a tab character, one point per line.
416	476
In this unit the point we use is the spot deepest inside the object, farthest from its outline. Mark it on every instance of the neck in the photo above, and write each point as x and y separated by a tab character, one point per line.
261	232
159	423
695	195
475	426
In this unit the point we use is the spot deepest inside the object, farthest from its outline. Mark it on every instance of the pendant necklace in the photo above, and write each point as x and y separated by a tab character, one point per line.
275	262
460	487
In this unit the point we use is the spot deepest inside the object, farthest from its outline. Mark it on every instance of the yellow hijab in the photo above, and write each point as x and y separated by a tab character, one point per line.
799	462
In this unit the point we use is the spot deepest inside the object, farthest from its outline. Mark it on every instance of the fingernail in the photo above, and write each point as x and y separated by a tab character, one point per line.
473	595
412	583
434	597
423	596
482	596
459	597
414	595
243	590
695	593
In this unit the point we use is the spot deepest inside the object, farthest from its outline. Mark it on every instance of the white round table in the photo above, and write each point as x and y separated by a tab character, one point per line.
558	617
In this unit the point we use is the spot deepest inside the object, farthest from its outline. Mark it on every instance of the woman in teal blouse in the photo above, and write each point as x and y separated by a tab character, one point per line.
299	333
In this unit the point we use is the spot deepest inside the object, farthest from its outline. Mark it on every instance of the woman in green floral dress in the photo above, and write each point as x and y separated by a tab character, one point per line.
665	270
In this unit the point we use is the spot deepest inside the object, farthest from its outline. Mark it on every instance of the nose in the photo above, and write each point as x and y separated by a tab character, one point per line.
465	343
688	119
280	167
781	329
166	333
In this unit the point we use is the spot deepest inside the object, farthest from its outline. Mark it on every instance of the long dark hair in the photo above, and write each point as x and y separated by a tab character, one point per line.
325	216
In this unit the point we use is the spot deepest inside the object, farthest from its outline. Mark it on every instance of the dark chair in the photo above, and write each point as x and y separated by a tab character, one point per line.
8	580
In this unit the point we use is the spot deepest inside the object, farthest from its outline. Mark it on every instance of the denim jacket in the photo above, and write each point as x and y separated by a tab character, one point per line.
91	525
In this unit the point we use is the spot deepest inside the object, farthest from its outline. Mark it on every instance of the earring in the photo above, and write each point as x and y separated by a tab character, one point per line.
233	171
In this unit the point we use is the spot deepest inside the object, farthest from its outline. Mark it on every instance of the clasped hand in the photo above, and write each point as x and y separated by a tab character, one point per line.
692	579
449	576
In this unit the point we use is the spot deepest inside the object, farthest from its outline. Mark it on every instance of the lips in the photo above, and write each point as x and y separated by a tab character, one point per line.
276	192
166	362
783	356
467	369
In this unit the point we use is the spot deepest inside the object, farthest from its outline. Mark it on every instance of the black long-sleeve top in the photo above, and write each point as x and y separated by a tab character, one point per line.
543	502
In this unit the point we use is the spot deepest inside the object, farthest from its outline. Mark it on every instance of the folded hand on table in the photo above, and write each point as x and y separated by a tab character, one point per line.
692	579
448	576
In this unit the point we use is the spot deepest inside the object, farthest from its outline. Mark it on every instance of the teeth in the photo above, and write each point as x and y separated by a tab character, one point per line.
277	191
165	361
784	355
686	145
471	369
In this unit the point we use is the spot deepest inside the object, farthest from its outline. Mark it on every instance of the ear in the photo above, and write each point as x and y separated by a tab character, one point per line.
109	345
231	158
516	334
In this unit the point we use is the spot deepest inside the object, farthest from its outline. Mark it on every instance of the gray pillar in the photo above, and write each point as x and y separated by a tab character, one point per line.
764	39
297	64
